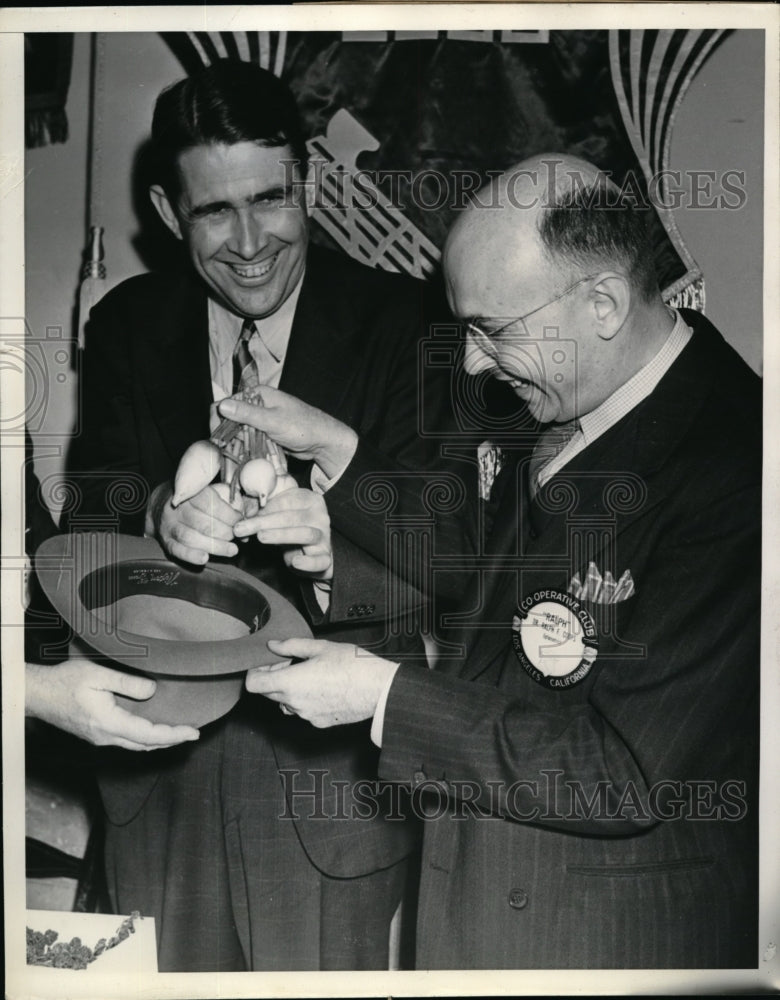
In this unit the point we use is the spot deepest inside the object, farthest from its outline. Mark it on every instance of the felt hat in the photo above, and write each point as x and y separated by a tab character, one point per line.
195	630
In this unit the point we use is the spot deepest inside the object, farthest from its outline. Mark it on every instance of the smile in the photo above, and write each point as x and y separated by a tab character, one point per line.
249	272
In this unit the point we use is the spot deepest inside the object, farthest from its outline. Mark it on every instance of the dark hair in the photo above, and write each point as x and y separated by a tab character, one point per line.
593	225
228	102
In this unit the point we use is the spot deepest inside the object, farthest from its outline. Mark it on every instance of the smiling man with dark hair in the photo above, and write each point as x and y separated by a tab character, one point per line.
202	836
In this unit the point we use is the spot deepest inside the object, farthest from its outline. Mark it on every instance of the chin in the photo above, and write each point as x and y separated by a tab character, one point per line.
255	306
539	407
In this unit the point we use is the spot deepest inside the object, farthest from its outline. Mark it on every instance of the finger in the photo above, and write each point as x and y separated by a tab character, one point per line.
298	649
248	526
193	541
205	526
195	557
295	535
129	685
262	418
303	562
210	507
268	683
297	498
286	419
279	519
122	728
118	741
266	667
156	734
251	507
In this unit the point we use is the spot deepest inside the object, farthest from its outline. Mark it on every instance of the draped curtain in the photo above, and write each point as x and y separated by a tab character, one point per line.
47	65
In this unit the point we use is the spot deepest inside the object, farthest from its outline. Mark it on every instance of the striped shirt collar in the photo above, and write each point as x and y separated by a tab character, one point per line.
225	329
638	387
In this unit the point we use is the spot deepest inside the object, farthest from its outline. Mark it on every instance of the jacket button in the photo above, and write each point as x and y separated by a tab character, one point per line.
518	899
419	777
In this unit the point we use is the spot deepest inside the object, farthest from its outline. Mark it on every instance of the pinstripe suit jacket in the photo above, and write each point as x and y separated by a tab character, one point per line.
610	823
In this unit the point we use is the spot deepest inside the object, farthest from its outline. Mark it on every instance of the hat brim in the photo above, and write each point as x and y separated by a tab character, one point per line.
87	572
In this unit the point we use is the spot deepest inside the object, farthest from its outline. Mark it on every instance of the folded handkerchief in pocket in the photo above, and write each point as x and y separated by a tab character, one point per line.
601	588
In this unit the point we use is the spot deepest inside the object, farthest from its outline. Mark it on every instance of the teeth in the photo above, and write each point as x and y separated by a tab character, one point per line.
256	270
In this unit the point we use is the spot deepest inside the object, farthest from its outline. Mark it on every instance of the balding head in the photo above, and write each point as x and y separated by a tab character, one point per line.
558	274
551	216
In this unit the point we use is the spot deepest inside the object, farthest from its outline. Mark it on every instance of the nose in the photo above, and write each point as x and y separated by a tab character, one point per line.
247	237
475	358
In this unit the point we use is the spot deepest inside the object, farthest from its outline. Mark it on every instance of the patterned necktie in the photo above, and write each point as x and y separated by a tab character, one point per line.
244	368
551	443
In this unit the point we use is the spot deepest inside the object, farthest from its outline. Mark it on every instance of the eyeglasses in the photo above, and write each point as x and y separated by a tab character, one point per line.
486	341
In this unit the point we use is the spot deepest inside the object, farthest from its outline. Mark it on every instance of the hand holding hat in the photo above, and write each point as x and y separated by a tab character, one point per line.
78	697
334	684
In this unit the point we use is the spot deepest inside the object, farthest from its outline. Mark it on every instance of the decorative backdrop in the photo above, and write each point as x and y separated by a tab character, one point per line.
413	121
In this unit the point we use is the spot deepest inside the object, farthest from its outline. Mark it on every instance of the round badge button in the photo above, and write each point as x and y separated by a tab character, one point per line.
555	638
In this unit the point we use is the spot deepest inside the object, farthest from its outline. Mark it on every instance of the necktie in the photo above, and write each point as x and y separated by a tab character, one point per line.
244	369
551	443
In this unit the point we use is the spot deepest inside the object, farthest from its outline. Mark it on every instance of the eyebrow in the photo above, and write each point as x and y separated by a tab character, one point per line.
269	194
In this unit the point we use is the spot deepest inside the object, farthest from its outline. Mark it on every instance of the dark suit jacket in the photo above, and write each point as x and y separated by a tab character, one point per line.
533	877
353	352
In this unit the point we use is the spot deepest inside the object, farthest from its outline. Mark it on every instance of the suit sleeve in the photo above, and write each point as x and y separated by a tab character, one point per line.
108	489
409	495
683	712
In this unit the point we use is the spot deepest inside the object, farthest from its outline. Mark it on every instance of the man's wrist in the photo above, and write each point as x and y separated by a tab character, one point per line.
32	690
38	692
334	457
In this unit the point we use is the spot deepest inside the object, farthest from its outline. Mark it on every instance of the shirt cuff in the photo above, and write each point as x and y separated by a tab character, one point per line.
378	723
320	482
322	590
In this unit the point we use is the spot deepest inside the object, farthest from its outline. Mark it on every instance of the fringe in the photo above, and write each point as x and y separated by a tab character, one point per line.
44	126
690	297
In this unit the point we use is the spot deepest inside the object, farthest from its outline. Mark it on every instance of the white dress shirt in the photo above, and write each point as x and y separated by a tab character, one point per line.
269	350
622	400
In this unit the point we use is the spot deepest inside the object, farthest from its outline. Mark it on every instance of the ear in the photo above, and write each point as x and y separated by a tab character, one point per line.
165	210
611	303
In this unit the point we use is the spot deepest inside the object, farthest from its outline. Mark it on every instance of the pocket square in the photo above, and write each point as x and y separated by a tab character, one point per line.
601	589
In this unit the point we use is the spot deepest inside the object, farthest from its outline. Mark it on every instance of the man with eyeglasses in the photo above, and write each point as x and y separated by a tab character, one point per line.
588	771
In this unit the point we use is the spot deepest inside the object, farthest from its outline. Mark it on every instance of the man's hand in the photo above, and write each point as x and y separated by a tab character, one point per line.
298	518
303	430
78	696
196	529
336	683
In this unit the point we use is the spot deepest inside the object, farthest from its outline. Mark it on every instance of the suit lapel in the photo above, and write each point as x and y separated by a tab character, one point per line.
319	360
179	376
